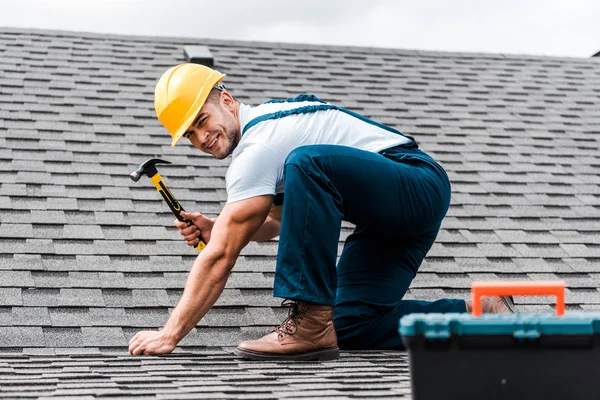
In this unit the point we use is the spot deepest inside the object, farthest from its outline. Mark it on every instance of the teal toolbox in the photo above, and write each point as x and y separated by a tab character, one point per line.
503	356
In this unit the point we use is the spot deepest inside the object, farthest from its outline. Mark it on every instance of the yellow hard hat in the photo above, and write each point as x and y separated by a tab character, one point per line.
180	94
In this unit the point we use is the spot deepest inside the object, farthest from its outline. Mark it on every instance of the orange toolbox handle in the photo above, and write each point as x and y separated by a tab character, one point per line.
518	288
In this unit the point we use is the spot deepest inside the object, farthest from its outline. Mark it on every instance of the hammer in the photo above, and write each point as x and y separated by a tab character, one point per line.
148	168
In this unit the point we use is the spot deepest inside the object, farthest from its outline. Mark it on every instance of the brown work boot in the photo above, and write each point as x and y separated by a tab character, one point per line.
494	305
307	334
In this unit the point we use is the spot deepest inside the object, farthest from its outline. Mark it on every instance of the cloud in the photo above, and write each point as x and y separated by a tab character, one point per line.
509	26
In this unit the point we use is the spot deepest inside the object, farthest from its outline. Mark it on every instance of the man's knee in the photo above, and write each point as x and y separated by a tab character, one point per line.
350	322
348	333
374	333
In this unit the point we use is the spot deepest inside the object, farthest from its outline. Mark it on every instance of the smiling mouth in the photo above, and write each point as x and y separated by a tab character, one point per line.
211	145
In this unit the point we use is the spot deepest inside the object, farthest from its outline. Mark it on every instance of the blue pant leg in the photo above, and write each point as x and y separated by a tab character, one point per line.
374	274
309	232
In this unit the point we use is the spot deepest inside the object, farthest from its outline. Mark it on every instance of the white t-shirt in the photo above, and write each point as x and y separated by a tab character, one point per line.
257	165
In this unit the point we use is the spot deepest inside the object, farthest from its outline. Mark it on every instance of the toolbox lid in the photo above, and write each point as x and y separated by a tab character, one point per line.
520	325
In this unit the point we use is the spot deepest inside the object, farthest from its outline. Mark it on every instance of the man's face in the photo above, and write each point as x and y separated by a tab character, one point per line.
216	130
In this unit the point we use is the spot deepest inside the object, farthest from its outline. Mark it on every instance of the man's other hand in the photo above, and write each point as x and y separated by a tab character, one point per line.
150	343
202	226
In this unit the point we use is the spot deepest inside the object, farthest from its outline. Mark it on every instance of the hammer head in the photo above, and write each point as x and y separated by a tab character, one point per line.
147	168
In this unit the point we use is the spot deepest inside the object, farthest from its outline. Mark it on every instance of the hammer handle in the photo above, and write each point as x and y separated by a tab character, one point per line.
173	204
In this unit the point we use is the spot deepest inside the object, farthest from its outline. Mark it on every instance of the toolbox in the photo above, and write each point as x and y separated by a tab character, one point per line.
504	356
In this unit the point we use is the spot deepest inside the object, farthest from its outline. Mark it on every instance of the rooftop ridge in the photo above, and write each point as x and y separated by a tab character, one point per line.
371	50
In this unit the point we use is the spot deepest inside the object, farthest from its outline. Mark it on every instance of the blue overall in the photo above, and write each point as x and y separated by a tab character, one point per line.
396	198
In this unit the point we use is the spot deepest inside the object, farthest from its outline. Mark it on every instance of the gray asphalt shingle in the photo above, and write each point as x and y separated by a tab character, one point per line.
208	374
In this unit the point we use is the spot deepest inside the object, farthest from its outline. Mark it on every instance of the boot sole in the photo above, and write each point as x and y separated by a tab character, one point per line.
317	355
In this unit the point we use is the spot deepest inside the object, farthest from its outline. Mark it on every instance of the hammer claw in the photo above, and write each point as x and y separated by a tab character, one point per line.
147	168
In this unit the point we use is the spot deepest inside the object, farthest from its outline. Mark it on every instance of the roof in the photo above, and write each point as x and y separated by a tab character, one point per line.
88	257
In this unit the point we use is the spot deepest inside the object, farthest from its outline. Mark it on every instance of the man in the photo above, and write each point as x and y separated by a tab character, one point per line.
299	167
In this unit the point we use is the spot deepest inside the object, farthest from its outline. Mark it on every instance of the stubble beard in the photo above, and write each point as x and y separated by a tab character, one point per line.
232	135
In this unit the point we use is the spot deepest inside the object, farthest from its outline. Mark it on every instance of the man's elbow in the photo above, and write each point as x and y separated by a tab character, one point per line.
222	262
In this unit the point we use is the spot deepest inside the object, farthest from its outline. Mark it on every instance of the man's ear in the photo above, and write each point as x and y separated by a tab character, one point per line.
228	101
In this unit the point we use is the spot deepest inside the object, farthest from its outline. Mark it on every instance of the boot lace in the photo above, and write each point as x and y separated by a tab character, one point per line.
296	314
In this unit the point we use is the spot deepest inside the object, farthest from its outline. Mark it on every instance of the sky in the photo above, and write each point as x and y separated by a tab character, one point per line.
537	27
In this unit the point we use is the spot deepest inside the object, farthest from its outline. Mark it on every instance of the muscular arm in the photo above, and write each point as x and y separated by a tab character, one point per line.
233	229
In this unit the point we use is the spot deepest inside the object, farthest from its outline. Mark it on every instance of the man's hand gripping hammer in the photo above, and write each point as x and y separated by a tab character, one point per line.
148	168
